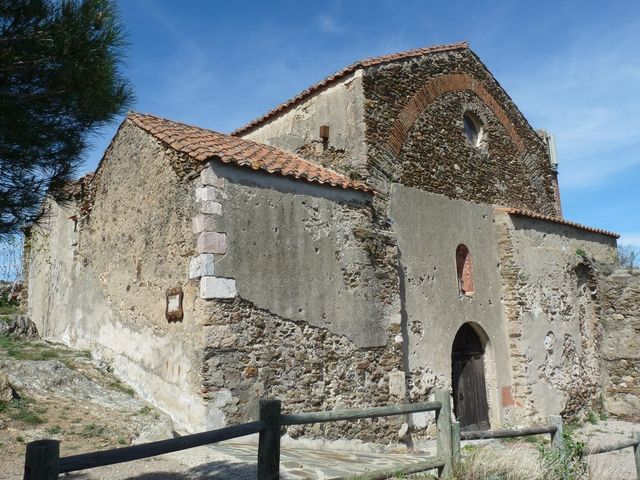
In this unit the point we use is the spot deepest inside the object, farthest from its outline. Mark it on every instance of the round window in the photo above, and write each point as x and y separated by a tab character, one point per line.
472	129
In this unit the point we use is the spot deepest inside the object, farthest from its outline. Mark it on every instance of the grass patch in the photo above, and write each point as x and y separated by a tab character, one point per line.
92	430
592	418
23	410
118	385
146	410
24	350
39	351
54	430
8	309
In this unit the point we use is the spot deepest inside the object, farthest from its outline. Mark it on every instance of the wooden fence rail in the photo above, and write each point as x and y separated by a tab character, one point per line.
43	462
152	449
554	429
633	442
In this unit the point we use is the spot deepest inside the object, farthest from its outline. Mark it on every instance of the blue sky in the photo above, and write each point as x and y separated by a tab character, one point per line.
573	68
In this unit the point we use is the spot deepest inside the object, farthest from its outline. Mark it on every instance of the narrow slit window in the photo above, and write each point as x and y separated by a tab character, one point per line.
464	270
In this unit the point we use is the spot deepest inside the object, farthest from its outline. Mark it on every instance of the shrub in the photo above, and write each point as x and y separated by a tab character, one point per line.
518	461
628	256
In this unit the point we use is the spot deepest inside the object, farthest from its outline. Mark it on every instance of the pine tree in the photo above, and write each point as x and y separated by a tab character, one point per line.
60	81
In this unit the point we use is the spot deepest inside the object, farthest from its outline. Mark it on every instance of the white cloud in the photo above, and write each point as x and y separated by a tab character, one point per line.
328	24
587	99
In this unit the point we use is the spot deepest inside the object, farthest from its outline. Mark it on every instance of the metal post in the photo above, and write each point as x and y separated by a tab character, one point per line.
455	442
636	452
557	441
269	441
42	460
443	424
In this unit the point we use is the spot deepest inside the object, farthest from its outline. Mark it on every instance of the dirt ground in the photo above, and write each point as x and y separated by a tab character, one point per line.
63	394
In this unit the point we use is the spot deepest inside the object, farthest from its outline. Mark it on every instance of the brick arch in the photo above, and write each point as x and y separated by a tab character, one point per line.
437	87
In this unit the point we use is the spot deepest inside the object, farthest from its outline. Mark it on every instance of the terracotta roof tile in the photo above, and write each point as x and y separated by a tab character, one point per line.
201	144
367	62
561	221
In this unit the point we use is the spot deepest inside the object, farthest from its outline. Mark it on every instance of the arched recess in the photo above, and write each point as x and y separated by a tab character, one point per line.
464	271
468	378
436	87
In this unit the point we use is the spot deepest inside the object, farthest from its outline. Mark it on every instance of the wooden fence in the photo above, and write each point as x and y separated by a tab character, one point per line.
554	429
43	461
633	442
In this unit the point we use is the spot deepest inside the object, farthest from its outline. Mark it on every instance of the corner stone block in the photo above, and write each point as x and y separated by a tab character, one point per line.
209	207
201	266
203	223
206	193
208	177
397	387
212	242
214	287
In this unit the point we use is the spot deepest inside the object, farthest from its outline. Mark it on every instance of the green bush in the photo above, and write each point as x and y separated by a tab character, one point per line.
568	463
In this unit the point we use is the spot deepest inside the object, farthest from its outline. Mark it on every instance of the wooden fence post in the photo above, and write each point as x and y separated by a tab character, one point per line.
455	442
42	460
636	452
269	441
443	424
557	441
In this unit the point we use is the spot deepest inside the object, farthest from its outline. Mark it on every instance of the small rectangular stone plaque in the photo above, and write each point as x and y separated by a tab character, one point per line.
174	312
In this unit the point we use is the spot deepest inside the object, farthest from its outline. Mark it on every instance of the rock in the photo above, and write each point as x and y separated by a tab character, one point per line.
159	428
52	377
7	393
19	326
404	429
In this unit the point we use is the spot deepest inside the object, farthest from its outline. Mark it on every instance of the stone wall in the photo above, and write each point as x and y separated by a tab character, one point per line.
552	305
415	134
429	228
620	348
252	353
339	106
99	282
316	320
308	253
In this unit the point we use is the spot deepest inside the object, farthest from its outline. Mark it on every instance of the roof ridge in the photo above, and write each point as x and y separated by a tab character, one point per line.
363	63
179	136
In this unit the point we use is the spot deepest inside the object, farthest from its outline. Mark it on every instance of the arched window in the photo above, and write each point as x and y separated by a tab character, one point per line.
472	128
464	270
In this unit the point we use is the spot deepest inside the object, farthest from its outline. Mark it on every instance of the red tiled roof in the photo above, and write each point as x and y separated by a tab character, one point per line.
201	145
561	221
367	62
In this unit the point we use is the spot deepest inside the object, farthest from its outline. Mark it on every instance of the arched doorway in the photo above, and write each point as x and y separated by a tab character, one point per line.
469	391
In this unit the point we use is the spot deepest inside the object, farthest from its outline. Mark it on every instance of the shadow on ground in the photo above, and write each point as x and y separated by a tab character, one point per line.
207	471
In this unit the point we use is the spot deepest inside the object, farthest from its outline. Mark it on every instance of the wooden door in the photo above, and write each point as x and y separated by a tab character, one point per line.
469	391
